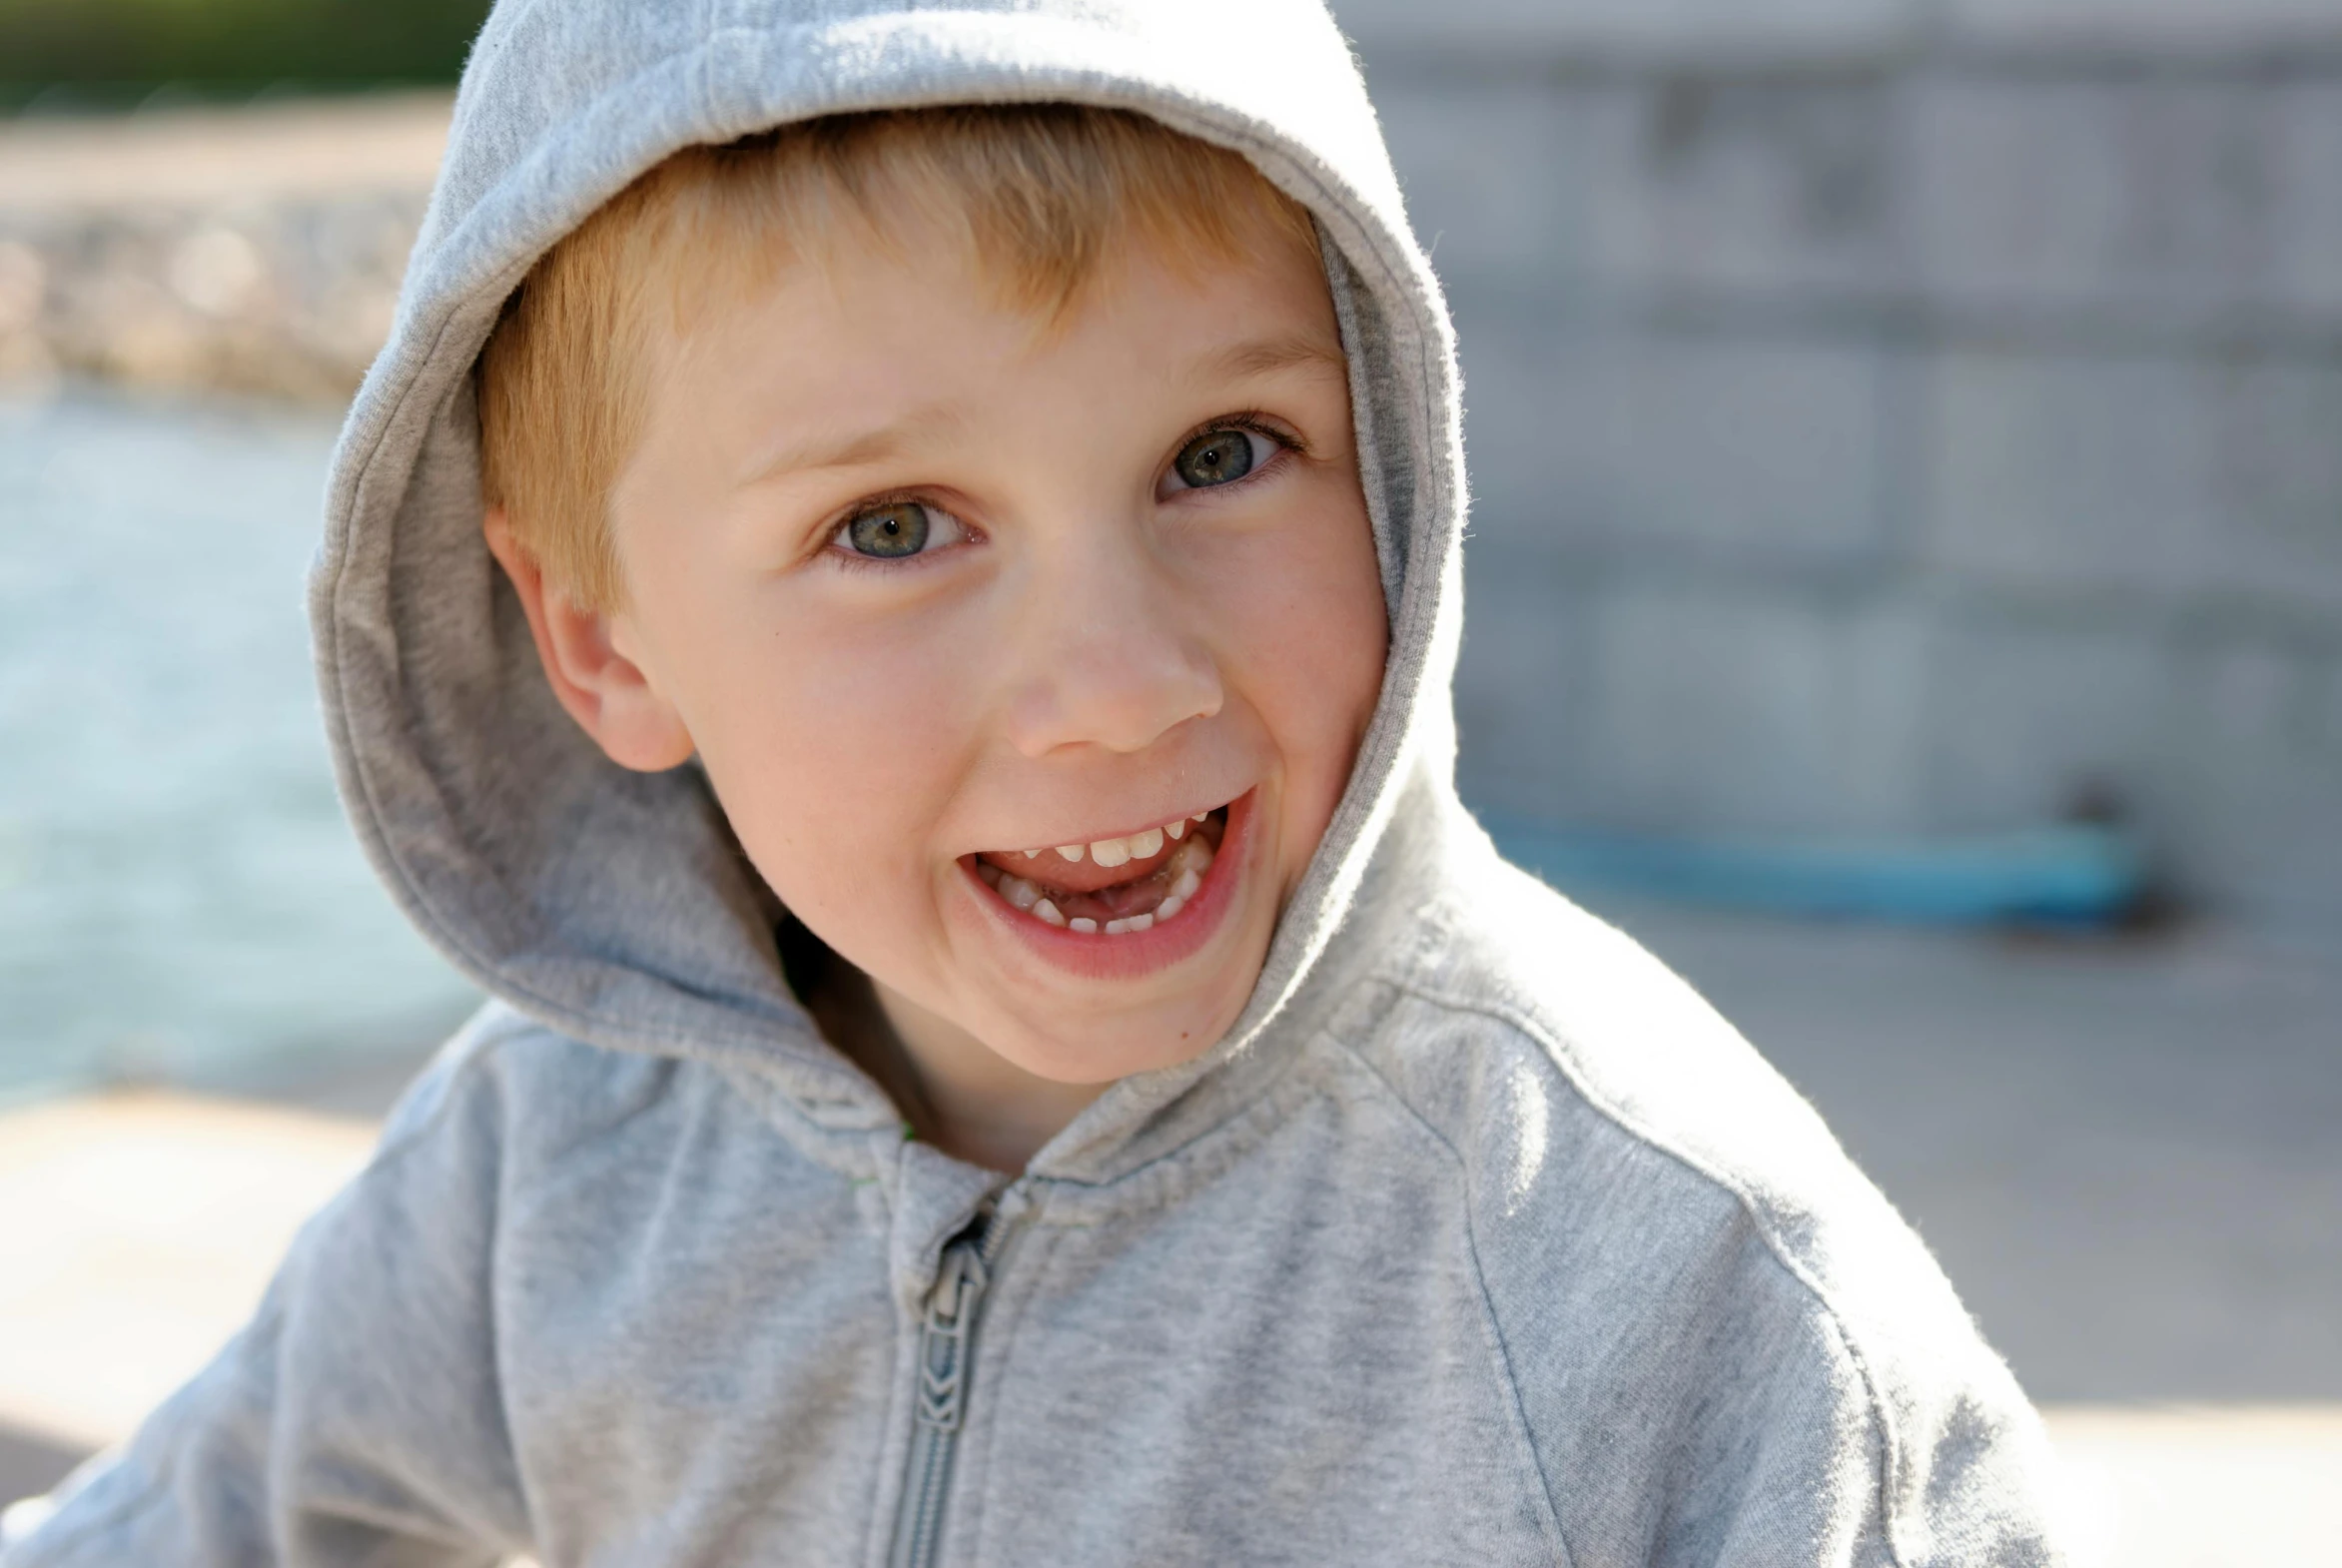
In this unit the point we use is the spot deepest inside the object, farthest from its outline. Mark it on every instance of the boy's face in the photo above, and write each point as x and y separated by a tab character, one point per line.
930	586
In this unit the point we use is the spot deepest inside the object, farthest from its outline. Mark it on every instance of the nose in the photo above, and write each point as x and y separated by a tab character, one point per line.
1112	659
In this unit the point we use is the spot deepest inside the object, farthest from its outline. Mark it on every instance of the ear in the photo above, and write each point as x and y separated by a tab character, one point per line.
607	692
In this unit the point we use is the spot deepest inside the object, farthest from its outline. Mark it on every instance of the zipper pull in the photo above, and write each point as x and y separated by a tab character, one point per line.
943	1341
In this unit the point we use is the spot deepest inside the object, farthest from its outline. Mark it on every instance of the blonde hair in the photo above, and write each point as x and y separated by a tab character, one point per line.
1042	195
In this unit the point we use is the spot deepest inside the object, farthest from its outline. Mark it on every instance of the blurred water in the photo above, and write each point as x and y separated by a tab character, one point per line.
178	893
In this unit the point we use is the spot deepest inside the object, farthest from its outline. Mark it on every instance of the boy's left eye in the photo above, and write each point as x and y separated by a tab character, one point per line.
1218	457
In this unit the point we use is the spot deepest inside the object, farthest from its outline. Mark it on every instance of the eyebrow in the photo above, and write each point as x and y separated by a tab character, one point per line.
1257	357
858	450
1267	356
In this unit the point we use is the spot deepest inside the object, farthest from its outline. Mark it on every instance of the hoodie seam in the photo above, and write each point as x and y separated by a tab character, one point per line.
1891	1462
1167	1175
471	1065
1523	1430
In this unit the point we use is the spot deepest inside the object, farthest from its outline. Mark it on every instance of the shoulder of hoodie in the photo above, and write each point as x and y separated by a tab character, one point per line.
511	1093
1665	1232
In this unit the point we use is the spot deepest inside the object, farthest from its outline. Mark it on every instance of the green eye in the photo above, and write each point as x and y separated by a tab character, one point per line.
891	531
1215	458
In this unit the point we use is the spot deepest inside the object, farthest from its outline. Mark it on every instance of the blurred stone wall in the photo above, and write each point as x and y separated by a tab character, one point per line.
1897	419
254	250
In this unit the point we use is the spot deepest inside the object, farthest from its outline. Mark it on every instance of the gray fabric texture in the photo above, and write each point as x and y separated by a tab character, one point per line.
1479	1240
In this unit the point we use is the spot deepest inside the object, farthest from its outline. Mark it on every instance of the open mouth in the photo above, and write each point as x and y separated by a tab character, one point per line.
1111	887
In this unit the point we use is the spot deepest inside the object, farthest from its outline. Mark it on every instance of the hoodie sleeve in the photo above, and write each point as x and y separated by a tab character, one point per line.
1807	1447
357	1419
1728	1420
1707	1388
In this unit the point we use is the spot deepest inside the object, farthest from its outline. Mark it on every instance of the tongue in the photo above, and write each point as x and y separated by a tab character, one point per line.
1052	871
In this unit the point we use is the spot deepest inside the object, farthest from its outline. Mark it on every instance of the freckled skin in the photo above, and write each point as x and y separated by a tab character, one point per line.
1083	645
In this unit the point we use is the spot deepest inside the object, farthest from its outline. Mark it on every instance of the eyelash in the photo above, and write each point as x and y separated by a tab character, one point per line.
1254	420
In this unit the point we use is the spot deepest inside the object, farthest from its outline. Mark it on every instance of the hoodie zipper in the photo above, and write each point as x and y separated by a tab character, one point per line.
940	1400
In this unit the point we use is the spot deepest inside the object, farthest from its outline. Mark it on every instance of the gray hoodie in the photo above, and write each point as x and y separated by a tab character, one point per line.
1479	1240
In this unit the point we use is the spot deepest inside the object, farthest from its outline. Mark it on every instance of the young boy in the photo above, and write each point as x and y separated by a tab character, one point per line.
908	646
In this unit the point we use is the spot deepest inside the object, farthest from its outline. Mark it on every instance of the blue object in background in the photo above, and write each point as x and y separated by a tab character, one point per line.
2081	875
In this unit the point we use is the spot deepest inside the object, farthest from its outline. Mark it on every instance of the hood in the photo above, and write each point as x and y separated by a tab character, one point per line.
612	905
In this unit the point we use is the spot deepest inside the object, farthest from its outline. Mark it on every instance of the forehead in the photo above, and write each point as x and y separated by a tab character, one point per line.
878	344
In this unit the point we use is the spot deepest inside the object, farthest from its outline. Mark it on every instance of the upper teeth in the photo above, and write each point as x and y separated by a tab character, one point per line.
1121	852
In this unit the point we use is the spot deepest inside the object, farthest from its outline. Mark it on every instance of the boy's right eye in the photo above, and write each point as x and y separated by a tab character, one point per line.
898	530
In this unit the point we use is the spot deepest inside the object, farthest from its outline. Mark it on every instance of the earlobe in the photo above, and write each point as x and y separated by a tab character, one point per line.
607	692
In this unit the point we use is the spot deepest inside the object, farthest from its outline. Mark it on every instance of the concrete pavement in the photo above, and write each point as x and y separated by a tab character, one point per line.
2127	1154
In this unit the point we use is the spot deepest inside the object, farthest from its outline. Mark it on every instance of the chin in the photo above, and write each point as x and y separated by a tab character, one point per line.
1106	1047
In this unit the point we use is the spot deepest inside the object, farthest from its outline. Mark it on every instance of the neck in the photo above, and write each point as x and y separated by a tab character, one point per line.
954	1091
973	1103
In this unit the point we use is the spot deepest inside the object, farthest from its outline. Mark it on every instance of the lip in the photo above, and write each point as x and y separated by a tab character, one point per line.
1095	955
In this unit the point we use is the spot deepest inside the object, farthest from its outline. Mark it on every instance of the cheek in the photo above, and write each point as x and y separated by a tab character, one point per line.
833	744
1305	616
